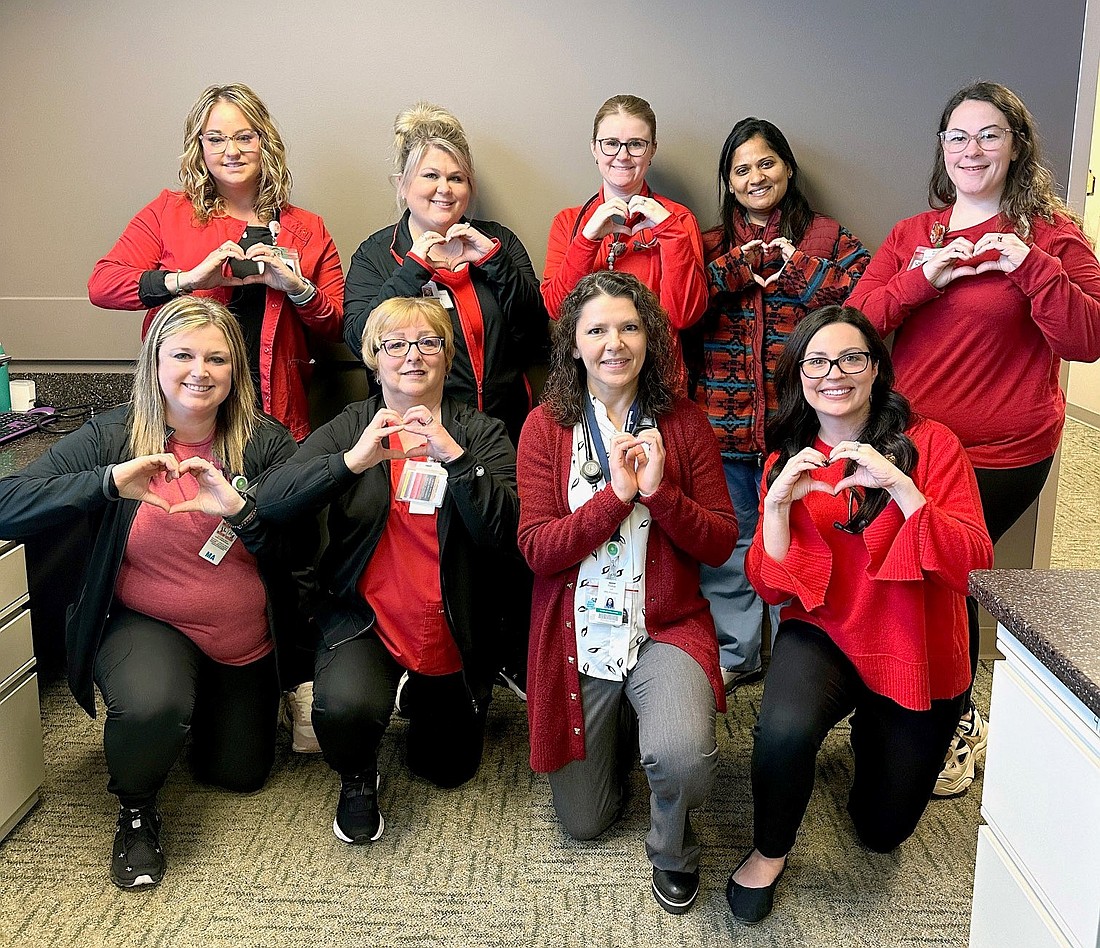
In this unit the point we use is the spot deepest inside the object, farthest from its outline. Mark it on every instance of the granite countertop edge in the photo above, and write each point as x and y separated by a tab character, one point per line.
1055	614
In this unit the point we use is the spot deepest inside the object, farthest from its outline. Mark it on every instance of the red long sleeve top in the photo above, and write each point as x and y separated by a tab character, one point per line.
893	597
983	355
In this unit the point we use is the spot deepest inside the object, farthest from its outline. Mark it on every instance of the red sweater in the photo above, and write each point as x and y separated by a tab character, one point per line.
893	597
693	522
673	269
164	236
983	355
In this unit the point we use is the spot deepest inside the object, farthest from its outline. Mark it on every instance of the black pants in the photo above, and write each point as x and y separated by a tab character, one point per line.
159	687
898	753
354	686
1006	493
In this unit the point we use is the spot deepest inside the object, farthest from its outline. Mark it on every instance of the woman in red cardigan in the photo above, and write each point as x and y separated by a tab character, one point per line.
625	226
985	295
233	213
870	524
621	496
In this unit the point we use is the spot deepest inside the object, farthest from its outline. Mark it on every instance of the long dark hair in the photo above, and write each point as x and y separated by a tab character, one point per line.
566	384
795	211
1029	190
795	425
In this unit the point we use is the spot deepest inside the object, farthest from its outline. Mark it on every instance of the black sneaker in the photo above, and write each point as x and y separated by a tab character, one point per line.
358	819
515	680
137	861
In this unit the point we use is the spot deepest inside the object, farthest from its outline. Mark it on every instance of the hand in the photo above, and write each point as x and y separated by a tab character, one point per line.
650	468
278	274
216	495
439	444
785	247
369	450
134	479
753	254
794	481
653	212
949	263
1010	250
872	469
609	217
756	253
211	272
422	245
465	244
622	458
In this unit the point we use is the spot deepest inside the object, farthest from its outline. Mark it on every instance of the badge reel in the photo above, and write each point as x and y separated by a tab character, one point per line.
422	486
432	290
609	607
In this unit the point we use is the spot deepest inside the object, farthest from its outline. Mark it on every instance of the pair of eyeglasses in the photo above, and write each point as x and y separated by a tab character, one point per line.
989	138
398	348
635	147
216	143
855	499
851	363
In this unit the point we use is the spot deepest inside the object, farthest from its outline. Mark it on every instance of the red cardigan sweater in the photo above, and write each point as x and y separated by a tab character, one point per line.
165	236
693	522
893	597
673	269
983	355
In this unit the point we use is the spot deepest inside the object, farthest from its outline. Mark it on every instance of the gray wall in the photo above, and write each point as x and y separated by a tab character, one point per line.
94	96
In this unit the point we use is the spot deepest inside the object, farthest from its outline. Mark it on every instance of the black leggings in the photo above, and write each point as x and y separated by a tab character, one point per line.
811	685
354	686
1006	493
159	687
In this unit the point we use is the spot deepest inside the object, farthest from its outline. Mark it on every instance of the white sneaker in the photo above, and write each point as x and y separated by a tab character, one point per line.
958	769
296	715
975	731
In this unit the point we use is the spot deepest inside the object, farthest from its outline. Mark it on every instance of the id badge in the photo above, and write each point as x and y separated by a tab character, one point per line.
290	257
921	256
422	486
218	545
434	291
608	608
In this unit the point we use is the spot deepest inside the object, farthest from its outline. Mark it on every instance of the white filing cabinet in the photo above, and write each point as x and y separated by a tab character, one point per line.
1037	879
21	763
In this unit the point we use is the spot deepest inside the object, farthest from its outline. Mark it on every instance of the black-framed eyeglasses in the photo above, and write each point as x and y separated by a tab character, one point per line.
635	147
216	143
398	348
852	525
989	138
851	363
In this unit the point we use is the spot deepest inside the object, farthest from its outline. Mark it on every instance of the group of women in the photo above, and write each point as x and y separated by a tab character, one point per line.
685	369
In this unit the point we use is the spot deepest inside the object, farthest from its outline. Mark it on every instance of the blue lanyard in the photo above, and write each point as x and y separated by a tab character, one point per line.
592	432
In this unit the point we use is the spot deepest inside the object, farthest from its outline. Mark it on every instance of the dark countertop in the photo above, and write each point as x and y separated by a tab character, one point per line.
1056	615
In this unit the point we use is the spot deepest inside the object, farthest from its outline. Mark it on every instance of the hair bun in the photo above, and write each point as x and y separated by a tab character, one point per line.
423	122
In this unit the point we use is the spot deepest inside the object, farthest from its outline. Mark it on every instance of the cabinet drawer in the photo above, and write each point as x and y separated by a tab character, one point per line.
1042	792
20	747
16	644
13	576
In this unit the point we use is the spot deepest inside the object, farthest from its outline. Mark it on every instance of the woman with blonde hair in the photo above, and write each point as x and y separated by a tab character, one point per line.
232	234
174	623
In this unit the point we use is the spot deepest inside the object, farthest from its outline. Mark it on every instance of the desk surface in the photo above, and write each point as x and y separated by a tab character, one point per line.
1056	615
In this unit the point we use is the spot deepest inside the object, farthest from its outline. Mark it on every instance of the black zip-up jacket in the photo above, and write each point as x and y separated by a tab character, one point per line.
512	310
66	483
476	526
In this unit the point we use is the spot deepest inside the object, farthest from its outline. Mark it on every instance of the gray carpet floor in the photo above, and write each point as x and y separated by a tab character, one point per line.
482	865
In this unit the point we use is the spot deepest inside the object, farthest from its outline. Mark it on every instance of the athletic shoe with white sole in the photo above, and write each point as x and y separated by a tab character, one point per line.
358	819
137	861
963	756
296	714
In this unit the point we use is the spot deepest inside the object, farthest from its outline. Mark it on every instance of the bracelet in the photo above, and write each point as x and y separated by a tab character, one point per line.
179	284
305	296
249	509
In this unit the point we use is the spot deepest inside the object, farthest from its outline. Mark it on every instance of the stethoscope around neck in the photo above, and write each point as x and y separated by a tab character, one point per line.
591	468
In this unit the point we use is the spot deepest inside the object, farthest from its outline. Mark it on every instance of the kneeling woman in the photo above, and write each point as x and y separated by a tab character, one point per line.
871	522
172	623
404	589
621	497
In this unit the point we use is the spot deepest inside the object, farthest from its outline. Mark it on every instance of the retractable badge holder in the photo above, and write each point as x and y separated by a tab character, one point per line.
609	607
422	486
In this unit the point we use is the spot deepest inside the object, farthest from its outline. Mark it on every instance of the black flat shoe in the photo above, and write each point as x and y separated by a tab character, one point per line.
750	906
675	892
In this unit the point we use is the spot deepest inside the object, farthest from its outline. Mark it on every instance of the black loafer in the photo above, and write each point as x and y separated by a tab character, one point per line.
675	892
750	906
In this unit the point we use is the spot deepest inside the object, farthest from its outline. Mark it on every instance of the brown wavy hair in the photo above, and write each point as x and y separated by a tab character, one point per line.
566	385
201	188
238	415
1029	190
